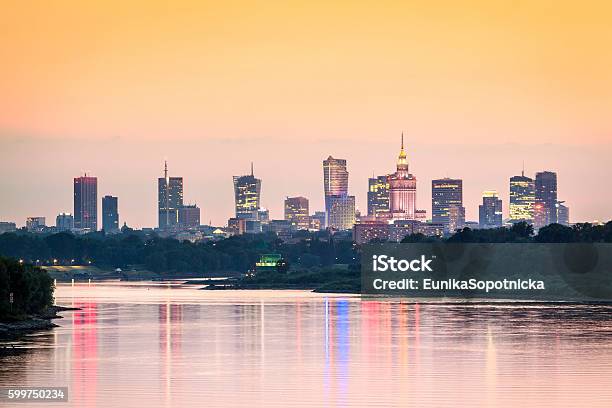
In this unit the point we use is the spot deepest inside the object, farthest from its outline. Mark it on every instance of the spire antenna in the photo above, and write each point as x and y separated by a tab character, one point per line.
252	169
402	140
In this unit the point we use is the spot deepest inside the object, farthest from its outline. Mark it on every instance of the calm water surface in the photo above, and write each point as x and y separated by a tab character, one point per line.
154	344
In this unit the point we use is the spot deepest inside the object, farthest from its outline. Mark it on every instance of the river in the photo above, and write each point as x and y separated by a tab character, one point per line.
170	345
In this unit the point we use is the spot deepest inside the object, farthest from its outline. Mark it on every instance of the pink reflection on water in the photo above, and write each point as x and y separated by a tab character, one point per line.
84	353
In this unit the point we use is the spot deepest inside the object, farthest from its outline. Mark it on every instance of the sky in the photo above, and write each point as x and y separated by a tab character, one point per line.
478	87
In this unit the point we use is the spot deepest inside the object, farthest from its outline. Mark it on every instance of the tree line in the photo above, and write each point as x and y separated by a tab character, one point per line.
239	253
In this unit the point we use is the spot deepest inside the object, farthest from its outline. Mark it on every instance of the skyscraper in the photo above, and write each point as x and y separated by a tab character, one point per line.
110	214
447	193
296	212
490	211
86	203
335	177
378	195
545	208
522	198
247	194
339	206
402	190
64	222
169	199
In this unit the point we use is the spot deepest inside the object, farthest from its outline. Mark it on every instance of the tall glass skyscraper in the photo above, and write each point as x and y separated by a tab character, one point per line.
339	206
86	203
545	208
378	195
247	194
490	211
447	193
169	199
522	198
335	177
110	214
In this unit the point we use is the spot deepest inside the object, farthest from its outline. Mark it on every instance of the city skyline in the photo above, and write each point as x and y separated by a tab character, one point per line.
313	209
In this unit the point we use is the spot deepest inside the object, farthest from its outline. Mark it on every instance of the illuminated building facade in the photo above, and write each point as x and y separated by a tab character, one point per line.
247	194
522	198
447	193
110	214
296	212
341	212
337	200
402	190
490	211
545	207
169	199
378	195
86	203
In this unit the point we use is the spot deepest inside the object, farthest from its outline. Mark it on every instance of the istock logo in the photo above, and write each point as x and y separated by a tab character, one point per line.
384	263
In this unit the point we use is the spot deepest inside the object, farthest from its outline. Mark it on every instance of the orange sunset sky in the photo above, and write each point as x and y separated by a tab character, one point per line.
478	87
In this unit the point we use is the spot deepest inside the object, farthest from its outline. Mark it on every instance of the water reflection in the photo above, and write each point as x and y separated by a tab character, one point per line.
167	345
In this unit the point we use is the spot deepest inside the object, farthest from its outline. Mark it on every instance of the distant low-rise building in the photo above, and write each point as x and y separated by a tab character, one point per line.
35	224
64	222
189	216
7	227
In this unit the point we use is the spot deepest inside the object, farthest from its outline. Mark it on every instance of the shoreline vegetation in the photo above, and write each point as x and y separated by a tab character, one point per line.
317	261
26	301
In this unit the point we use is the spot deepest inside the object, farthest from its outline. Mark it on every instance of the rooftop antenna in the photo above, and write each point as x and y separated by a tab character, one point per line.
523	171
252	168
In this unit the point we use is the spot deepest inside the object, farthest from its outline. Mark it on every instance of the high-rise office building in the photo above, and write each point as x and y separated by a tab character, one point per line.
110	214
35	224
296	212
189	216
341	213
64	222
86	203
545	207
563	214
247	195
447	193
456	218
378	195
402	190
339	206
169	199
490	211
522	198
335	177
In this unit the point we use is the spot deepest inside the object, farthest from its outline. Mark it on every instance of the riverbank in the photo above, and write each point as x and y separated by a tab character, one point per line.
32	323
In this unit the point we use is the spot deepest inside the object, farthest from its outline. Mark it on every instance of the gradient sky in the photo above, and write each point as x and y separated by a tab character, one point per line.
114	87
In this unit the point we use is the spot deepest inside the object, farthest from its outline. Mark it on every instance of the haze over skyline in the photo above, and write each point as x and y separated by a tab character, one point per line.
113	88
